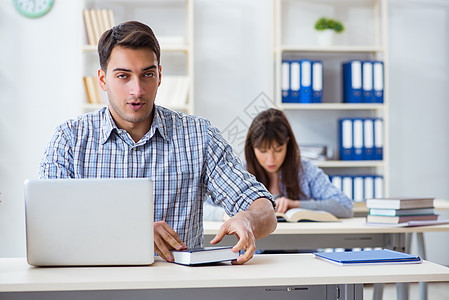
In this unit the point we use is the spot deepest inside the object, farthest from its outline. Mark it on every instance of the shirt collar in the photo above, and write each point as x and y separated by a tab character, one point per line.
108	125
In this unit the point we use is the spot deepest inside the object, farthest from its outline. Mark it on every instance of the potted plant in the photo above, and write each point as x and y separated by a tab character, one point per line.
327	28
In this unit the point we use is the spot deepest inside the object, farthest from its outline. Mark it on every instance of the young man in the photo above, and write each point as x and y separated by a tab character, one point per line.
186	157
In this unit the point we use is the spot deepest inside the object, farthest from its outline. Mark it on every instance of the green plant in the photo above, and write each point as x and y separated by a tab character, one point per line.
324	23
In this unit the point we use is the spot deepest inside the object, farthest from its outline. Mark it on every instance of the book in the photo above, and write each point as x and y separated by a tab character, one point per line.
301	214
206	255
384	256
401	212
399	202
411	223
399	219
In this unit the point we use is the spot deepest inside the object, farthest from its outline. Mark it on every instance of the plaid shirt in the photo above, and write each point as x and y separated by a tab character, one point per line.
185	156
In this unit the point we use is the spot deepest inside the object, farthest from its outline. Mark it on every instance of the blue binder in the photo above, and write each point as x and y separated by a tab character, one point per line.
295	81
317	81
383	256
368	186
378	81
305	91
357	131
346	139
368	139
285	81
378	186
367	82
352	81
378	139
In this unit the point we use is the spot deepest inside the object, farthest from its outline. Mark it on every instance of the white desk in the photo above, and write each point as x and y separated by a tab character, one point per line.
349	233
265	276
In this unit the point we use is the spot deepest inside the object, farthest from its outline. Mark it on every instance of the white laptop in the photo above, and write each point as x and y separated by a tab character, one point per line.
89	222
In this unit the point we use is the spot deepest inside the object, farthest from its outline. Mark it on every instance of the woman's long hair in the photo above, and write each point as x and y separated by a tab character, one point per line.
272	126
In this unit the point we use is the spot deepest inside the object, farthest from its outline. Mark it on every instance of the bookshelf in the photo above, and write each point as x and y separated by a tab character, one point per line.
364	38
172	22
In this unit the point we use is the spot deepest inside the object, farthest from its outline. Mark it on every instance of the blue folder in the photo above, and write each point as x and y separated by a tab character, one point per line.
317	81
305	91
352	81
383	256
367	81
378	81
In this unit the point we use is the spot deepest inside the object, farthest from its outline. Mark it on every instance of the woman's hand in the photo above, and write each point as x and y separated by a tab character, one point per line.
283	204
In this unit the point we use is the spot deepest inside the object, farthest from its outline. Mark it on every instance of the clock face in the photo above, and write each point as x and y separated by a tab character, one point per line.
33	8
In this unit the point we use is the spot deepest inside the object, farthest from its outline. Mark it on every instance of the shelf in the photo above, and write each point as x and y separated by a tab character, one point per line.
331	49
350	163
332	106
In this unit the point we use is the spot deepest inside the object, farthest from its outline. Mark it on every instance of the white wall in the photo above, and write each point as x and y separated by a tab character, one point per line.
40	76
39	73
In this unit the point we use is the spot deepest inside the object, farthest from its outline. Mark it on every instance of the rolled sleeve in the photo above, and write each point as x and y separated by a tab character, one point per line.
229	185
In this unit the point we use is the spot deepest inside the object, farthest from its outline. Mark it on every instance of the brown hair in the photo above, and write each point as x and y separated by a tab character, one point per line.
272	126
132	34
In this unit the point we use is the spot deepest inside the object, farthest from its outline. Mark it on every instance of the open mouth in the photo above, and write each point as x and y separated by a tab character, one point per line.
135	105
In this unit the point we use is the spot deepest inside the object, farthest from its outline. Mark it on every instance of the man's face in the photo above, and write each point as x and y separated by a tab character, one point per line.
131	81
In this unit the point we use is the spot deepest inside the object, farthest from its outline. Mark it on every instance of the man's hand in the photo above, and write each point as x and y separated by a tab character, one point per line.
166	239
256	222
240	226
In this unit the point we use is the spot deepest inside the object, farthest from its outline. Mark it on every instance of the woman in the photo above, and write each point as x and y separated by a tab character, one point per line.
273	156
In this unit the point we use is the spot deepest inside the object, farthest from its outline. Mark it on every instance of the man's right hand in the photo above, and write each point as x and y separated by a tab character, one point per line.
166	239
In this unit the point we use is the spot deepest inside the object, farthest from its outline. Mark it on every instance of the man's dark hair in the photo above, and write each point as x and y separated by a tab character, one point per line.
132	34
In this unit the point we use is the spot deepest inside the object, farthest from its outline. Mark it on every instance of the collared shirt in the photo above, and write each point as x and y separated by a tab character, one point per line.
186	158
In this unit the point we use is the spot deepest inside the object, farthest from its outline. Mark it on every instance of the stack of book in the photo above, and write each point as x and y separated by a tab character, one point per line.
400	210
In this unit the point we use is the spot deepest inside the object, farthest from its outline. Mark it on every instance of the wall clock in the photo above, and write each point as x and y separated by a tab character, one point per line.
33	8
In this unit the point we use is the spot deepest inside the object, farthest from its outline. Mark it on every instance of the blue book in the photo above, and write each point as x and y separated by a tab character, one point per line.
378	81
206	255
305	90
352	81
367	82
384	256
317	81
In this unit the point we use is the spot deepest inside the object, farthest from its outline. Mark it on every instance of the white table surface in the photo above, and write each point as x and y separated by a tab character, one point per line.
350	225
263	270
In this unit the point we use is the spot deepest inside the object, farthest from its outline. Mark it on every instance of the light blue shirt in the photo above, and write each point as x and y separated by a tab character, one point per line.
185	156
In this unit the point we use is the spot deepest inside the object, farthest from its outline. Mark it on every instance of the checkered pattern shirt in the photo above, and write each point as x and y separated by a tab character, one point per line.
186	158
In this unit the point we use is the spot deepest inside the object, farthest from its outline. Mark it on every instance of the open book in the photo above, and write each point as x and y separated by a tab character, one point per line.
301	214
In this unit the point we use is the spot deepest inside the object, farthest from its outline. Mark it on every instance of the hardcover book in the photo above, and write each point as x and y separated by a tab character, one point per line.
399	219
206	255
399	202
301	214
383	256
401	212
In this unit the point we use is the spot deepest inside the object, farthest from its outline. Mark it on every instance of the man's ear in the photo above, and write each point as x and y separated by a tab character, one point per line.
102	79
160	75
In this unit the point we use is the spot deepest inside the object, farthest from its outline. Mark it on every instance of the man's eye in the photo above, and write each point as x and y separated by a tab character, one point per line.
122	76
149	75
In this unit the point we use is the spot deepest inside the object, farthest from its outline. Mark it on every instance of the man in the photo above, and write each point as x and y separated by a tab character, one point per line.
186	157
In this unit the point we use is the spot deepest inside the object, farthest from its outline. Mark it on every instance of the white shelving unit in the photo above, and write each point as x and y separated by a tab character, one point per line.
172	22
365	37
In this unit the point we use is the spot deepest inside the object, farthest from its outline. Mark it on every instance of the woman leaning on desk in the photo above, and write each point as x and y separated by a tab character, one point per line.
273	156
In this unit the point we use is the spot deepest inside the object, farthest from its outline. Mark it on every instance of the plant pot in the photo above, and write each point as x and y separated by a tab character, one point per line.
325	37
